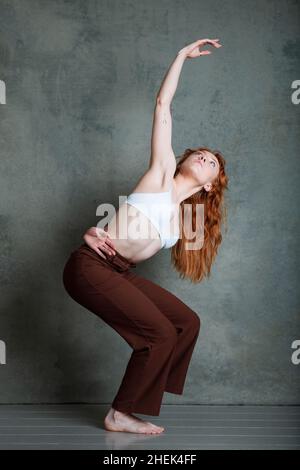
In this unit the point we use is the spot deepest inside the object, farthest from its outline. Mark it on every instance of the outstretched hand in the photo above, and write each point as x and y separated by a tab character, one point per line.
193	50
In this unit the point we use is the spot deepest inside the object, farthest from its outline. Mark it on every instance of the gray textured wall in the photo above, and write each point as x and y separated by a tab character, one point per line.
81	78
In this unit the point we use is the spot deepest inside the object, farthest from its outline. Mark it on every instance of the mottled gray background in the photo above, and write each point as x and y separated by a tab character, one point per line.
81	79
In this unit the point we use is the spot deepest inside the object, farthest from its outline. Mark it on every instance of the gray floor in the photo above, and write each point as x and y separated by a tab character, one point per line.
186	427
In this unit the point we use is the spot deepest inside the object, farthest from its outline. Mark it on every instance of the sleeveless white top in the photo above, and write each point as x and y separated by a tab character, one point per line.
158	207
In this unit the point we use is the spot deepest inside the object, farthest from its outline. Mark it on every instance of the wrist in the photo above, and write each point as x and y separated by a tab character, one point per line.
182	52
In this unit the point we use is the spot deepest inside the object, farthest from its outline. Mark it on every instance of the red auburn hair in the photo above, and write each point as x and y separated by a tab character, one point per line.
195	264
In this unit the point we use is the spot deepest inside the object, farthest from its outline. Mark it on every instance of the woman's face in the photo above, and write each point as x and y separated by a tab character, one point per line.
202	166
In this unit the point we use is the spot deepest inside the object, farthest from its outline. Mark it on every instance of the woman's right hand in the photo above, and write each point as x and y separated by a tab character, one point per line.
193	50
99	240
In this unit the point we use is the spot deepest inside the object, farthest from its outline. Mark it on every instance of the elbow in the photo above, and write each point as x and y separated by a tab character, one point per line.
162	101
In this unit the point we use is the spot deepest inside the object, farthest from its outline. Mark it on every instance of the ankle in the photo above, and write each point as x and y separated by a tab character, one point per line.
117	413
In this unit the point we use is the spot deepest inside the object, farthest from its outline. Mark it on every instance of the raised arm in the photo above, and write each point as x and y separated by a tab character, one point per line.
162	155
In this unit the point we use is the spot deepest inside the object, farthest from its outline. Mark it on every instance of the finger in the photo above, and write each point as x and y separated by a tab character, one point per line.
203	41
109	240
110	250
105	248
99	253
110	243
217	45
205	52
214	43
207	41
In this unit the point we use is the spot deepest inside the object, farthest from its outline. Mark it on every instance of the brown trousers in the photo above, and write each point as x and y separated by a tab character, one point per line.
157	325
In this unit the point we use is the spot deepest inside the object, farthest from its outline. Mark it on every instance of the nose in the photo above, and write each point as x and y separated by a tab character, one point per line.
201	159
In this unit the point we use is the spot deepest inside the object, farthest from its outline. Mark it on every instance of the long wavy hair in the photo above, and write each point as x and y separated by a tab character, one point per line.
196	264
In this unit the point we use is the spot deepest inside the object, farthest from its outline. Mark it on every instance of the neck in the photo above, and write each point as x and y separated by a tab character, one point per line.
185	187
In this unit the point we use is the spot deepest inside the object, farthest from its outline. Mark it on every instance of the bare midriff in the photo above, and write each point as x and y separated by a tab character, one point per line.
131	247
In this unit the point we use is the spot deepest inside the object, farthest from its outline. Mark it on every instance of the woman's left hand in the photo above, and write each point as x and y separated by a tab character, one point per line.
193	50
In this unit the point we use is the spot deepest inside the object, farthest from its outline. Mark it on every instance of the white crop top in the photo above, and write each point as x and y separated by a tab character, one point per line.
158	207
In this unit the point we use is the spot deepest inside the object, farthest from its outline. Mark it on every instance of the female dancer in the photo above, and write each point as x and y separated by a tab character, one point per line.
157	325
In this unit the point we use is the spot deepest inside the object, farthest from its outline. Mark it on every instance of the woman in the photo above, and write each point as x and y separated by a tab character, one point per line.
158	326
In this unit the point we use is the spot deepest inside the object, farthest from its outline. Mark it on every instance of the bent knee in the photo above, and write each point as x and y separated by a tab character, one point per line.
193	321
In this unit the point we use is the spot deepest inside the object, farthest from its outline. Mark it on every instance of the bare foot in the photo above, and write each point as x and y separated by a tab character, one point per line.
125	422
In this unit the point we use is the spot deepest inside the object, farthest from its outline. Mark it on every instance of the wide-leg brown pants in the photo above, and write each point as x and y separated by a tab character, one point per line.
157	325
